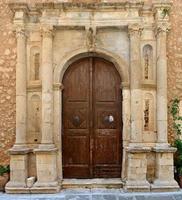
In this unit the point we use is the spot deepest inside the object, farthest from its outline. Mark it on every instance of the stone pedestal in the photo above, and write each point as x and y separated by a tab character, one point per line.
137	170
18	171
46	172
164	180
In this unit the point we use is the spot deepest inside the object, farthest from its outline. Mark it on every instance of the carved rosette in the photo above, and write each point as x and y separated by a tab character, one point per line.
135	29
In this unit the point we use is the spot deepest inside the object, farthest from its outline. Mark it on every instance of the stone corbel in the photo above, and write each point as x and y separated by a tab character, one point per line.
125	85
58	86
90	38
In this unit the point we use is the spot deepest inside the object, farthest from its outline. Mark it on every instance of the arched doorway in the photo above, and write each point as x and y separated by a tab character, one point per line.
92	120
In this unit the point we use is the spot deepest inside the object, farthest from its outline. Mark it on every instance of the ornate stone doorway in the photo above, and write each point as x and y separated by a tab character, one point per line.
92	122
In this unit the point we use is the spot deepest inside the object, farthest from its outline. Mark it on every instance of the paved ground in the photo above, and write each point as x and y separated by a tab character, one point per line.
95	194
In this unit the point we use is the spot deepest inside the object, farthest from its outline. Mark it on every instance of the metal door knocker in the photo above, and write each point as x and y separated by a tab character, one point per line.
76	120
109	119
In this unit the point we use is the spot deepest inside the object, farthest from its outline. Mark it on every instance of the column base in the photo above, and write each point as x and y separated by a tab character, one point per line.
164	186
137	186
45	187
16	189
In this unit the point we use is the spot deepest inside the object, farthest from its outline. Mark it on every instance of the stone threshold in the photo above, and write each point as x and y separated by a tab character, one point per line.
92	183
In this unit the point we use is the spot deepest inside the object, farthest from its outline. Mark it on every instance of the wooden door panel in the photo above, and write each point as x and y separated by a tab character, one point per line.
107	124
76	135
76	145
77	82
91	120
106	149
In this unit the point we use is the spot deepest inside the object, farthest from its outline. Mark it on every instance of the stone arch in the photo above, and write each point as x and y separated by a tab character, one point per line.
119	63
59	71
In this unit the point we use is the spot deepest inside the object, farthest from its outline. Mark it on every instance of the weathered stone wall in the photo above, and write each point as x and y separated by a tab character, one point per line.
7	82
175	58
8	62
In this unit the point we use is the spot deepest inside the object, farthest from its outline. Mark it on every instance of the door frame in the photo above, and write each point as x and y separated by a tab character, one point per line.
59	71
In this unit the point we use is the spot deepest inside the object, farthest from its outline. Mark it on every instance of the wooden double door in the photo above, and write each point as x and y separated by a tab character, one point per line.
92	120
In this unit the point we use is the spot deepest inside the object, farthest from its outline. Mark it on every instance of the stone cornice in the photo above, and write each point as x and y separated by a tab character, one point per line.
91	6
162	3
20	5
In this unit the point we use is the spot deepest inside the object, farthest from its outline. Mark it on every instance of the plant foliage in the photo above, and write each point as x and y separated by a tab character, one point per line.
4	169
177	126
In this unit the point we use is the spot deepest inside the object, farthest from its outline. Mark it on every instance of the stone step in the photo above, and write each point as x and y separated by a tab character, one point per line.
92	183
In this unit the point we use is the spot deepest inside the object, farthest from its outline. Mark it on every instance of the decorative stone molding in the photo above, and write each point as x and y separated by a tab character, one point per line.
34	87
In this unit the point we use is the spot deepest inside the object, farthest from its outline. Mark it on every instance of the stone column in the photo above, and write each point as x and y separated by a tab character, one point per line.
47	88
21	84
164	174
19	152
46	154
135	84
162	134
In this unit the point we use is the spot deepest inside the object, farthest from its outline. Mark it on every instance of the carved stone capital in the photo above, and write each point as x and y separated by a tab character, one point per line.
162	27
47	31
135	29
21	32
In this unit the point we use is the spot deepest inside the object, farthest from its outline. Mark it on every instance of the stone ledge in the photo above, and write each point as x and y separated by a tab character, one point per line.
138	149
164	149
44	150
19	151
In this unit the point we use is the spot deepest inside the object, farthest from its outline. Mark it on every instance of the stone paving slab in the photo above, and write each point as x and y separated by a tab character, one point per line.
94	194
